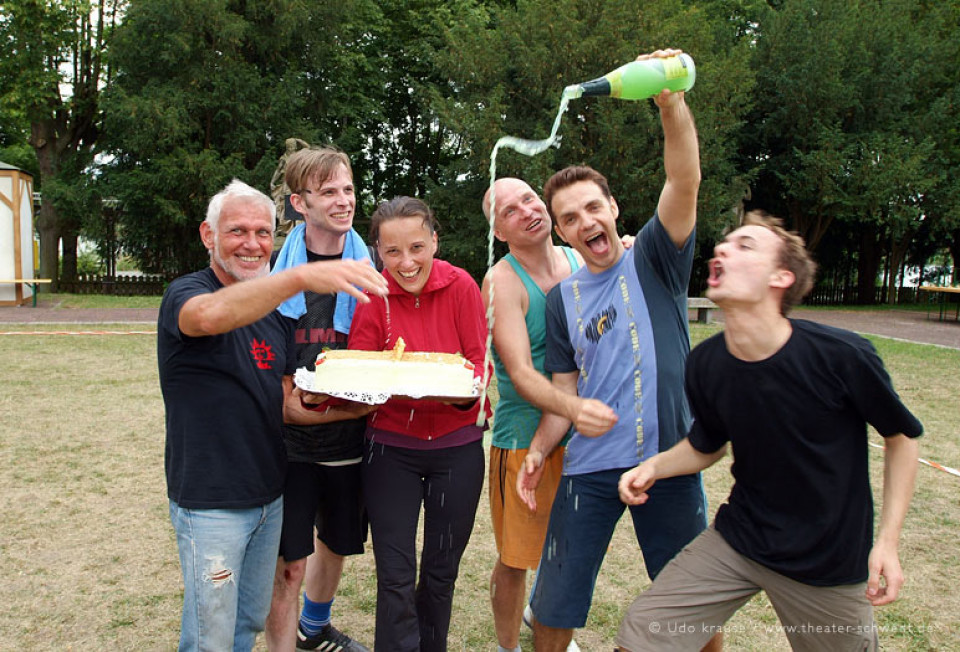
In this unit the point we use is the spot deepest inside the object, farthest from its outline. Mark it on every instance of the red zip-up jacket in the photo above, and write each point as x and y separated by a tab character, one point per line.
447	317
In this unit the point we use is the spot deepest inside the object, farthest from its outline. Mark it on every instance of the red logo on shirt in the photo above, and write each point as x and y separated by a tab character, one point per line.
262	354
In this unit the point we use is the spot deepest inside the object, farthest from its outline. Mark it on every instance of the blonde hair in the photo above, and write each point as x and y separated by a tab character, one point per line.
313	163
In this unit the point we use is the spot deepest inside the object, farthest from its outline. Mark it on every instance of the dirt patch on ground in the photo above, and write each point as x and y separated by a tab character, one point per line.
907	325
43	315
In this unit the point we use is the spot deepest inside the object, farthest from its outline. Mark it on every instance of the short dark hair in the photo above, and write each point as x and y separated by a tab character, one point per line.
793	257
569	176
398	207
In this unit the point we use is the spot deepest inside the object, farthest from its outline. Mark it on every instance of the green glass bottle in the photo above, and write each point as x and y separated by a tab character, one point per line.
639	80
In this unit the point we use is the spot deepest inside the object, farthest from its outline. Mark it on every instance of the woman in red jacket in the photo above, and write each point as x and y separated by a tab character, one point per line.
420	452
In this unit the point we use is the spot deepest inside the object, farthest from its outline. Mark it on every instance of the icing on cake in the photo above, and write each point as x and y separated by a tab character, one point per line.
397	372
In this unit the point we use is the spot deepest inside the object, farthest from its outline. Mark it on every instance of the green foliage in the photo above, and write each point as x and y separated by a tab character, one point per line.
851	128
512	68
202	95
52	72
843	117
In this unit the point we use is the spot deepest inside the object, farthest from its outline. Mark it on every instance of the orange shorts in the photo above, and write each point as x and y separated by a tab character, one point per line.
518	531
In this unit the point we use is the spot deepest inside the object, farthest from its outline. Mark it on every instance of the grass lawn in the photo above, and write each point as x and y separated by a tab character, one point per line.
90	562
95	301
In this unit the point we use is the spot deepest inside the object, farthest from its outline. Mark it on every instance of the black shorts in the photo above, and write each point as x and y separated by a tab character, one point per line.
328	497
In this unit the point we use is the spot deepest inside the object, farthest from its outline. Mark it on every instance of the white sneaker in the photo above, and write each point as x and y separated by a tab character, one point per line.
528	621
528	616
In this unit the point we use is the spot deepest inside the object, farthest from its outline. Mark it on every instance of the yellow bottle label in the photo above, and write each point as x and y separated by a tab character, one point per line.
616	83
674	68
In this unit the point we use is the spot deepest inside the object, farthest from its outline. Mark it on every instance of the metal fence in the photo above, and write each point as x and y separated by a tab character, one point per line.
126	286
839	295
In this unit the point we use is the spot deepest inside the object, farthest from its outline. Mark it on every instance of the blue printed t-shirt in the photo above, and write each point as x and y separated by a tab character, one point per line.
224	399
515	419
625	330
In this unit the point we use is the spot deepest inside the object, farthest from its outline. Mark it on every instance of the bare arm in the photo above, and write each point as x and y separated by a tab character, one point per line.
550	432
295	413
510	337
682	459
245	302
899	474
681	161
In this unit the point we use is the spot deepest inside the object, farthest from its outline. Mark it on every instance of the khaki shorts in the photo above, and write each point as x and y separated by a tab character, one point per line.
518	531
708	581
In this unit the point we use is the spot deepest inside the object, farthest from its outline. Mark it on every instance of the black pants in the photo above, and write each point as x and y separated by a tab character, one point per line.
414	614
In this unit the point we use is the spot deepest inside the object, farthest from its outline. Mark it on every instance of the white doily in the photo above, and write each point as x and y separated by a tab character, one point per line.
304	380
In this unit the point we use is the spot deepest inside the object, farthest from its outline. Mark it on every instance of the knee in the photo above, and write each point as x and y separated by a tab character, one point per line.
440	573
508	574
289	575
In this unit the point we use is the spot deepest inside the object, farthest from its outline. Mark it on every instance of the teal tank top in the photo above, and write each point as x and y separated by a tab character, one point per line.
514	419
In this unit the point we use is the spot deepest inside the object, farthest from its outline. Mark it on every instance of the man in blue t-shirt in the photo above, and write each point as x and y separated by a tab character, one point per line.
793	399
222	352
617	332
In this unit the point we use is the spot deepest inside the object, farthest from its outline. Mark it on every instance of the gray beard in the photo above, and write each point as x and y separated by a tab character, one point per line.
215	253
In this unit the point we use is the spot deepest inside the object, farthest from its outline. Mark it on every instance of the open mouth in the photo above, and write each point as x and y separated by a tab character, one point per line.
716	272
597	243
409	275
250	259
535	224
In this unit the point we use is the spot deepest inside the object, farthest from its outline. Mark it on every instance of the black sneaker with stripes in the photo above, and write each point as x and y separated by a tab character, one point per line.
330	639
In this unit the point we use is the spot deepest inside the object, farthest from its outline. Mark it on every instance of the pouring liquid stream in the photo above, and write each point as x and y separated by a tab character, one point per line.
528	148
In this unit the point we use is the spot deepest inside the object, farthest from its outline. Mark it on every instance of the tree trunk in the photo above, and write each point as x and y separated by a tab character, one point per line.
68	241
896	258
955	254
49	234
867	266
42	139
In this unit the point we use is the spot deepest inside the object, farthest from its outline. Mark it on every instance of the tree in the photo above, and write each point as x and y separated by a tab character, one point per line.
845	89
206	90
53	71
511	64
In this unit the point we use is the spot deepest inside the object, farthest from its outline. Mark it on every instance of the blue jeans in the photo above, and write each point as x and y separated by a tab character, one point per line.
228	558
585	512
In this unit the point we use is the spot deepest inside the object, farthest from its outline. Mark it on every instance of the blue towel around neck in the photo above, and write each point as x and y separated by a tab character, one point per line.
294	252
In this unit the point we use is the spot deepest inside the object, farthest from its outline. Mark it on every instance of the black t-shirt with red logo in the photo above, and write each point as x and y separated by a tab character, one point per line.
224	398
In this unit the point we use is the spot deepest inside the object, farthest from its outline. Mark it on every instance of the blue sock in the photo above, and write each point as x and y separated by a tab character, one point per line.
314	616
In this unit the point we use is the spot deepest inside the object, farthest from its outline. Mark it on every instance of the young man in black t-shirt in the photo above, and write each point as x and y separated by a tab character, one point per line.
793	398
324	448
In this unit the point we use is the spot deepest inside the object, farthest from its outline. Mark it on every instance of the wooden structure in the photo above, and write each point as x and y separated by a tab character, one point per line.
704	308
17	282
941	295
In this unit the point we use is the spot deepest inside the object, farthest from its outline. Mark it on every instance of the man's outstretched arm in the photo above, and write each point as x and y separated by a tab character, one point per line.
682	459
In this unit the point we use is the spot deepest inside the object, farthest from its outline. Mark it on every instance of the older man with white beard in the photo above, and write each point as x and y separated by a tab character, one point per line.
222	351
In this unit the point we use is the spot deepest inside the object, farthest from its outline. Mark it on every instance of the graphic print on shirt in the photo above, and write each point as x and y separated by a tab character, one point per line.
323	336
601	323
262	353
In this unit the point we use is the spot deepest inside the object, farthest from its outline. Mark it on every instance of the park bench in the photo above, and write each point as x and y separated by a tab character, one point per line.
32	282
704	308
